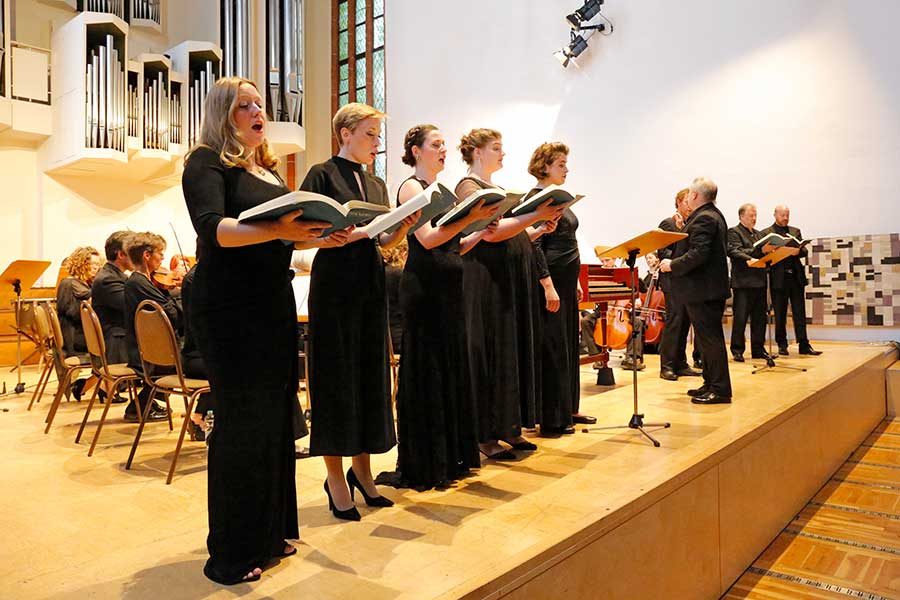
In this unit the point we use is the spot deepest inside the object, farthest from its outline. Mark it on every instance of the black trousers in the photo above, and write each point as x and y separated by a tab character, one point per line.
673	345
749	304
795	294
710	337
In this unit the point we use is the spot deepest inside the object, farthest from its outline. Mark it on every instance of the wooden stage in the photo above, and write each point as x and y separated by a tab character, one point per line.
592	515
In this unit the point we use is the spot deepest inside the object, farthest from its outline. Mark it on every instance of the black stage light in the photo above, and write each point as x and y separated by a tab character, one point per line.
573	50
584	14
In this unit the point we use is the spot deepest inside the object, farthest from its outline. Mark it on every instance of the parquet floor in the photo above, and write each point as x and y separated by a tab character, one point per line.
846	541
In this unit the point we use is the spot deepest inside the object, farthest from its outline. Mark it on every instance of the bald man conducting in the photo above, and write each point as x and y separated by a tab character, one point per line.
699	270
788	283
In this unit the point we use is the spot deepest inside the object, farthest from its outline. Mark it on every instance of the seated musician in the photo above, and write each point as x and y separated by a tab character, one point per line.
82	265
146	251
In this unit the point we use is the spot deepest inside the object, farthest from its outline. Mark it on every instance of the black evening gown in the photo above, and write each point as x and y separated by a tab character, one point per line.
560	332
245	324
436	420
348	329
500	295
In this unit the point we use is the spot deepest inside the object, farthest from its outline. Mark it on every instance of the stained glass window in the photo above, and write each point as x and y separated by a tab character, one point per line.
359	73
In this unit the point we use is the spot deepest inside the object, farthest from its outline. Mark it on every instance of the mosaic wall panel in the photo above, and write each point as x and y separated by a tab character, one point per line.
854	281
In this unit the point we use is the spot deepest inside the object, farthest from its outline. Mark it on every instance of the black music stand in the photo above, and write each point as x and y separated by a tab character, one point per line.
775	256
643	244
19	276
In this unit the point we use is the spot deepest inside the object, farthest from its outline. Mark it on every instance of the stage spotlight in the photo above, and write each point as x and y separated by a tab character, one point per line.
584	14
573	50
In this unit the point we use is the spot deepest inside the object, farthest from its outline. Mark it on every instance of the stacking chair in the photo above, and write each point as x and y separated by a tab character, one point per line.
113	376
66	367
45	347
159	350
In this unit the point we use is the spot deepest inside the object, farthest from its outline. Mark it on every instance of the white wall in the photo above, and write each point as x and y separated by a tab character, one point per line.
793	101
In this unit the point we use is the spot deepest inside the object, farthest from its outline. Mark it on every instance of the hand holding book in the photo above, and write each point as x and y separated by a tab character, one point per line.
289	227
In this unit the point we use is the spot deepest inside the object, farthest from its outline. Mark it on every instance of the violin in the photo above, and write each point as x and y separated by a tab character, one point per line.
164	280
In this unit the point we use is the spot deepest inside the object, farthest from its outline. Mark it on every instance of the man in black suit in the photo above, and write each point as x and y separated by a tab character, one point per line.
673	346
788	283
108	297
749	286
699	268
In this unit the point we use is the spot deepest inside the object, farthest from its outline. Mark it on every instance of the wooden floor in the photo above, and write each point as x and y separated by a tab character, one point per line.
79	527
846	541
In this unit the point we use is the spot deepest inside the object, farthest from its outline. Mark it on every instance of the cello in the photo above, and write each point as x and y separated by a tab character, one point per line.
653	311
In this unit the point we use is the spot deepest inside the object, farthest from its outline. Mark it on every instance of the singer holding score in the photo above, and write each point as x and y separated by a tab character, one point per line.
348	327
244	320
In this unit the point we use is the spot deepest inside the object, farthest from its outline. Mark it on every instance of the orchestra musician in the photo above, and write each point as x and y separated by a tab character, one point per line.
699	268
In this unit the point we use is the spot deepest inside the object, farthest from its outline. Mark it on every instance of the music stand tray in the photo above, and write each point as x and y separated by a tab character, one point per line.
647	242
20	276
765	262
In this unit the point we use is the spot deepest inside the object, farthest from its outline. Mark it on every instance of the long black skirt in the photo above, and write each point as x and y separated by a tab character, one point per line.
499	287
559	350
348	362
435	413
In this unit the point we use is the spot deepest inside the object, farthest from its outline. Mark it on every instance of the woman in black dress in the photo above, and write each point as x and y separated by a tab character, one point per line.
244	320
435	409
348	363
82	265
500	289
557	249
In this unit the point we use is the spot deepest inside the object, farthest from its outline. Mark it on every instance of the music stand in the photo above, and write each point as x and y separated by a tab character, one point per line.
645	243
20	275
775	256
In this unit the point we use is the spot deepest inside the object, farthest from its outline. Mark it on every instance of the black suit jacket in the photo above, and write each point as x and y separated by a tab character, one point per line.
108	299
793	262
666	225
740	250
699	262
138	288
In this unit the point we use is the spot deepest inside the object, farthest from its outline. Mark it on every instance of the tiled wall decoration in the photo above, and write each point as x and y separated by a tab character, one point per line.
854	281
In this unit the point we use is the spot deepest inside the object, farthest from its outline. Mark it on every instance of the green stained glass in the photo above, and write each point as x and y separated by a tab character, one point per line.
380	165
342	45
378	42
378	8
343	99
361	95
342	15
360	11
378	83
345	79
360	72
360	39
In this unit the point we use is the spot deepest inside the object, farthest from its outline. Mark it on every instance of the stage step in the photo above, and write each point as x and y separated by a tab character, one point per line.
846	541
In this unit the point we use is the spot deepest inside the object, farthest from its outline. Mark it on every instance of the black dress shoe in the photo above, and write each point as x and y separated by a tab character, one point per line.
523	445
377	501
782	350
668	375
688	372
629	366
808	350
557	431
501	455
763	356
700	391
351	514
711	398
738	358
584	419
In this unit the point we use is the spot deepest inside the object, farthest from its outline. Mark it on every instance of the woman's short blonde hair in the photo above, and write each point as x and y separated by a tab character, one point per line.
219	130
477	138
543	157
145	241
351	115
78	264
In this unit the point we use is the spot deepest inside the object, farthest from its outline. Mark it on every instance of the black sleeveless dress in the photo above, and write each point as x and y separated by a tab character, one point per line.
348	329
436	423
560	331
500	289
245	324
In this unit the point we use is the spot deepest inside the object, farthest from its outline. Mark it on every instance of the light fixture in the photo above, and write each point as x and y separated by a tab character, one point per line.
573	50
584	14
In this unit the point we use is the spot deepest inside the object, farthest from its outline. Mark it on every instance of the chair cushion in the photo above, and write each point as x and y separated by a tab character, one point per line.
172	382
121	370
77	361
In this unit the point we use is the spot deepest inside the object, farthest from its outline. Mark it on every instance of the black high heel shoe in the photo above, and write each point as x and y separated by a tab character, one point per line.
378	501
351	514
